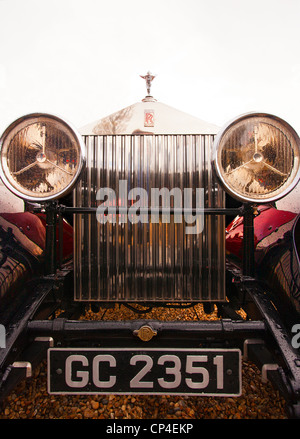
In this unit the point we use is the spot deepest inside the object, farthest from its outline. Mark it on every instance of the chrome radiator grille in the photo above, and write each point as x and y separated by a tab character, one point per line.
148	262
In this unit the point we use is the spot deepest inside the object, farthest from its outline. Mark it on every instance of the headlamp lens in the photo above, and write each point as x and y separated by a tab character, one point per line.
41	157
257	158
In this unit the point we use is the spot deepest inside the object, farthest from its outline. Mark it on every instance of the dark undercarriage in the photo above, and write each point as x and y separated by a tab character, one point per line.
263	336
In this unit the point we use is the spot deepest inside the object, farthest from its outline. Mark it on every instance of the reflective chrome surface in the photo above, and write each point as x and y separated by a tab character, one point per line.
148	261
41	157
258	158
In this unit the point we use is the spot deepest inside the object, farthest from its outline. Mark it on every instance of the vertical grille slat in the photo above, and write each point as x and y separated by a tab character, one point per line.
148	261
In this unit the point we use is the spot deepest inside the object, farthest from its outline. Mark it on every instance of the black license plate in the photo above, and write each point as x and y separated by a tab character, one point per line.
209	372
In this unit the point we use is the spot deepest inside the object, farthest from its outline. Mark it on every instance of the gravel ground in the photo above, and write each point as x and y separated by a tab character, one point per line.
30	399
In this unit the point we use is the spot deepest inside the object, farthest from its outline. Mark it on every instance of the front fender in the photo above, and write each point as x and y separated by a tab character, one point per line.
276	242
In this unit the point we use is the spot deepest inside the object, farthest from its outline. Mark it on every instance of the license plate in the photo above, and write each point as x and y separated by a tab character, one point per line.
205	372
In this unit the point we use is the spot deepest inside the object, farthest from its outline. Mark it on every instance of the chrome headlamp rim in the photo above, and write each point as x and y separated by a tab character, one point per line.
80	143
217	168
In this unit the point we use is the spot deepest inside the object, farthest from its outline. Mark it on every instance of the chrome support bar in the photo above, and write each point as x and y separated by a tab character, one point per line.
24	365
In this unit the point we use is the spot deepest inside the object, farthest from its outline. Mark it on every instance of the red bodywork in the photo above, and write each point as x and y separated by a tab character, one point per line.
22	245
268	221
33	226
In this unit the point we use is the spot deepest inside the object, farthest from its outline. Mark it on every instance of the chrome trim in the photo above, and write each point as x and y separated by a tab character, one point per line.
265	369
48	340
248	342
148	262
23	365
71	185
216	165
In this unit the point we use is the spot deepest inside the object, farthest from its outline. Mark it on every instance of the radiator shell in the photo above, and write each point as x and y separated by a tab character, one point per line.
148	262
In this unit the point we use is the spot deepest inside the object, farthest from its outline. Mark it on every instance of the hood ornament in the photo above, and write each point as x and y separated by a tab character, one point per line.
148	78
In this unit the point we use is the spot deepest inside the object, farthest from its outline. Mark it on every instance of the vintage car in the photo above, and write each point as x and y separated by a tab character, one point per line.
150	207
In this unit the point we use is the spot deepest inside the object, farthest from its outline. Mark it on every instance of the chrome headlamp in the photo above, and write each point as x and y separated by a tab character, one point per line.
257	158
41	157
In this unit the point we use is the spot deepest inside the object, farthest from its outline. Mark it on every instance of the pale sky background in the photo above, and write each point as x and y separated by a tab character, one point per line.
214	59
